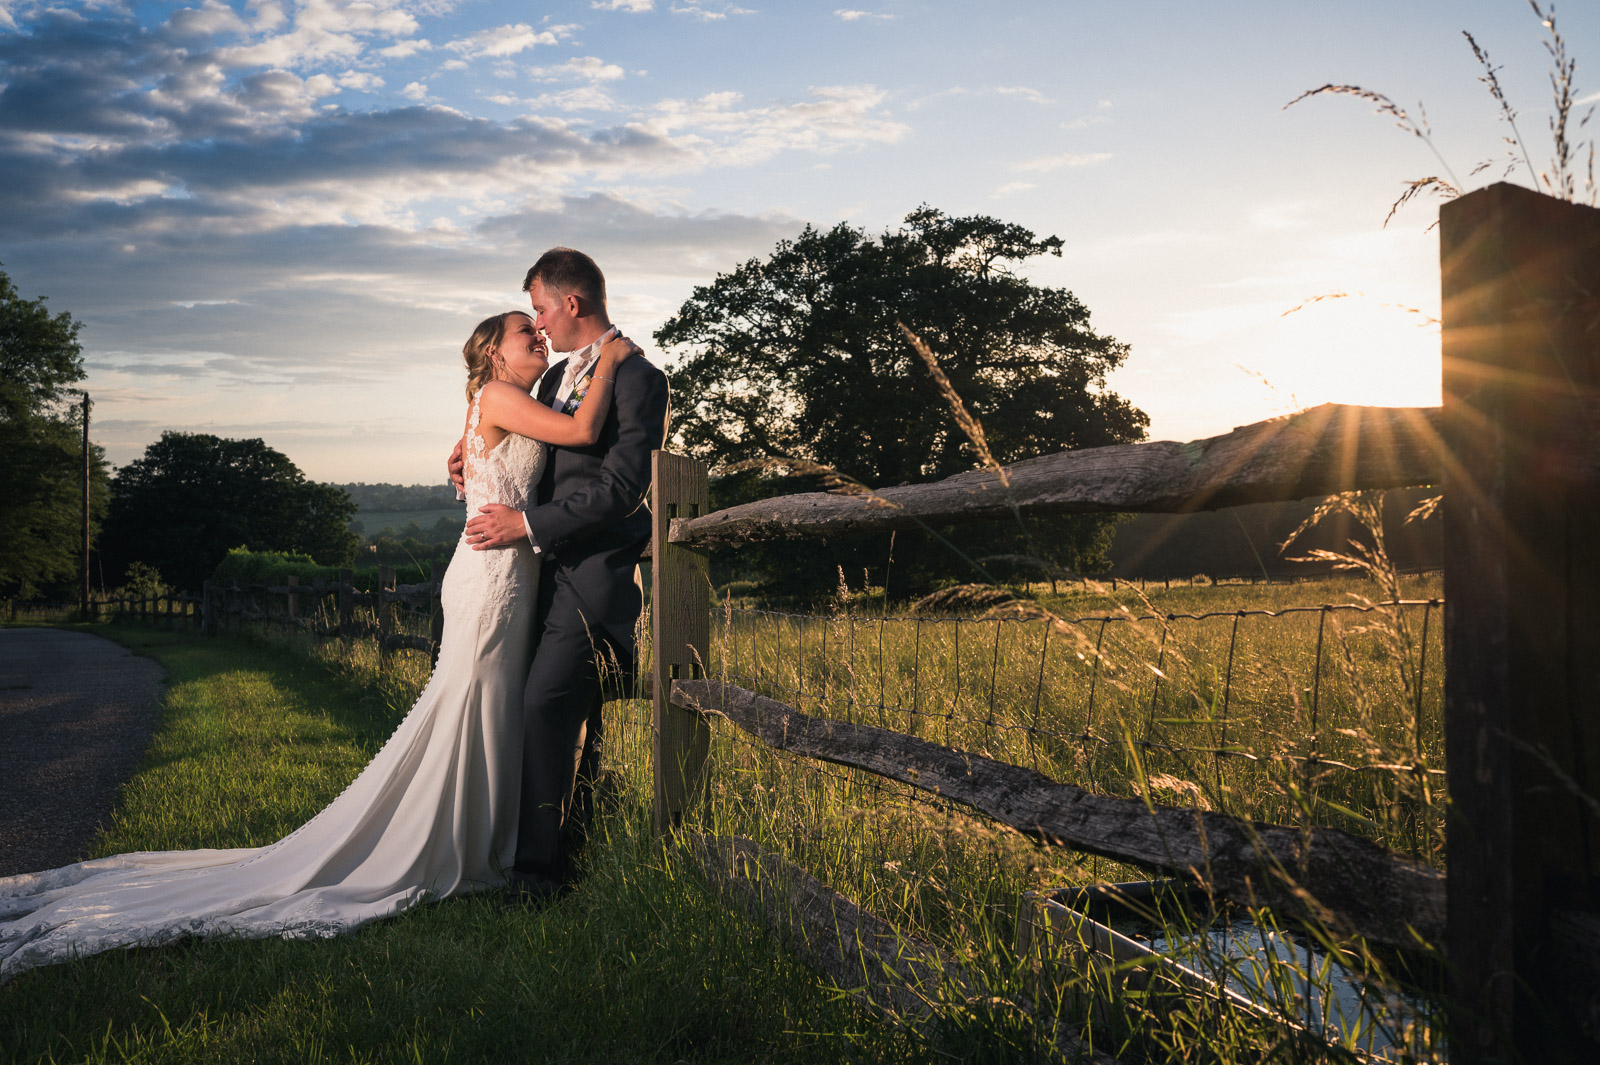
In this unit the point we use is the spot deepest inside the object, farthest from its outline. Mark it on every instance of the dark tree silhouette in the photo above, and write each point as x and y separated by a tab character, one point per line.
800	356
193	496
41	447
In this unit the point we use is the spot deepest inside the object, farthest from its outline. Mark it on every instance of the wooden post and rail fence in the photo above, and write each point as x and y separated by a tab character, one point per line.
1515	450
334	609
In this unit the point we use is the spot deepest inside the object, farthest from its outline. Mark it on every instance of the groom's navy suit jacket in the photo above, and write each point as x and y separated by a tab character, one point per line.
592	517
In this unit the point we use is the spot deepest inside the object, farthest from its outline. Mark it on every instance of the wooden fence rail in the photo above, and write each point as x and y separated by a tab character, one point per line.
1306	874
1516	448
354	614
1331	448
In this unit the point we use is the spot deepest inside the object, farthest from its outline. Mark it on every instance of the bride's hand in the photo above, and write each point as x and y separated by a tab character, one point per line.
617	350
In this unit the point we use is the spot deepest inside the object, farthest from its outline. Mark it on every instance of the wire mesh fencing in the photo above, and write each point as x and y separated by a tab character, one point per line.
1326	714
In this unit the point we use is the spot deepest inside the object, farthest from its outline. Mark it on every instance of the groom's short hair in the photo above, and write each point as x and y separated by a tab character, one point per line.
568	270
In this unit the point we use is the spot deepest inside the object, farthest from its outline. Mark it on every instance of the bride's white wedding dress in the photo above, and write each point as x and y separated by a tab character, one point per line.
433	814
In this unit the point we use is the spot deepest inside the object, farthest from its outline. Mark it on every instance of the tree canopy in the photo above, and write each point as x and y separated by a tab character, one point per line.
193	496
800	355
41	447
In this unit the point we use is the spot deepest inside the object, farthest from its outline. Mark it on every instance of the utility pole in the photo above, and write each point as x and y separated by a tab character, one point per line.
84	599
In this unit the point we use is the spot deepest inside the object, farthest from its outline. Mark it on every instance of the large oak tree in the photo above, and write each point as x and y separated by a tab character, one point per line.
193	496
800	355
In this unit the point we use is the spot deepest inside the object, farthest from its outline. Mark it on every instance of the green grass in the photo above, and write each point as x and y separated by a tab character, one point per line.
1132	706
938	872
641	964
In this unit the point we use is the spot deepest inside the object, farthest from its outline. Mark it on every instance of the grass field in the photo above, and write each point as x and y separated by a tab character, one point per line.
643	964
1349	738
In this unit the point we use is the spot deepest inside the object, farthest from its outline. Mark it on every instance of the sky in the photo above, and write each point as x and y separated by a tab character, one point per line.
282	218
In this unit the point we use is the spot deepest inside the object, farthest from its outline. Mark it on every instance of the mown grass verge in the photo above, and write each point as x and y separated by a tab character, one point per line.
640	964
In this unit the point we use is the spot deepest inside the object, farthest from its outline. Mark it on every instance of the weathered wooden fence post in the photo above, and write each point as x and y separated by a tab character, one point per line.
680	623
384	607
347	608
1521	288
292	597
208	608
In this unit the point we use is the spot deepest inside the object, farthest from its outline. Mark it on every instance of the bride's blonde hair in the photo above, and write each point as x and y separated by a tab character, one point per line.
479	348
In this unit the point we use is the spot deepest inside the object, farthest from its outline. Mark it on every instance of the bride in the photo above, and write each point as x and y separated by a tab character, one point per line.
434	813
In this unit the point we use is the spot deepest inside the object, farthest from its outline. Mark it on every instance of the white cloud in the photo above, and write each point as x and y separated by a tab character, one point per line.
586	67
922	101
585	98
1012	188
503	41
359	80
319	30
282	94
210	19
634	6
717	128
416	91
856	16
1062	161
402	49
696	9
1033	96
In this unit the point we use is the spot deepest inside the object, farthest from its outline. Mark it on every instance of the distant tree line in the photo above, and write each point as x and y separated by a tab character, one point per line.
399	498
431	525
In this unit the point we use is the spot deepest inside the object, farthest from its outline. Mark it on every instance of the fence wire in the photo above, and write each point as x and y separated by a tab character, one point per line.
1326	714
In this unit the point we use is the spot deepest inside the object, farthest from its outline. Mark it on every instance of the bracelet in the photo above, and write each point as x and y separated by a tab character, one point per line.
599	377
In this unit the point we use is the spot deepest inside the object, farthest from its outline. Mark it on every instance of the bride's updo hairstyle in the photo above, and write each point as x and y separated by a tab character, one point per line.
484	339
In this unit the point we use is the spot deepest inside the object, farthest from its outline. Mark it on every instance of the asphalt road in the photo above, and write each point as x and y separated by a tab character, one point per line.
76	712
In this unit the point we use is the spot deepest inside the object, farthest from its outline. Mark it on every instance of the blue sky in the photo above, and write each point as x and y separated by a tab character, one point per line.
280	218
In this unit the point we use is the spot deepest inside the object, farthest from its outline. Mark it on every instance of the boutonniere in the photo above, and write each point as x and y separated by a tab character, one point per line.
575	400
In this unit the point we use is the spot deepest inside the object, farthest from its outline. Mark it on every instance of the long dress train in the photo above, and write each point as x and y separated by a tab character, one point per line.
433	814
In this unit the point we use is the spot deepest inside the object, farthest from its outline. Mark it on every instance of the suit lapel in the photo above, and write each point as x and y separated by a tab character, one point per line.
551	382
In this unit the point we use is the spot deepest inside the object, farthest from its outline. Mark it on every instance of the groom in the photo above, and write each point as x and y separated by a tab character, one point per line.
589	524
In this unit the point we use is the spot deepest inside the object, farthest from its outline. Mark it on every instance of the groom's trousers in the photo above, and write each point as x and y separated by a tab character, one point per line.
561	737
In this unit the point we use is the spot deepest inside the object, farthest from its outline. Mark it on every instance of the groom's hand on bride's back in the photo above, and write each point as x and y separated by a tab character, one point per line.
457	467
495	525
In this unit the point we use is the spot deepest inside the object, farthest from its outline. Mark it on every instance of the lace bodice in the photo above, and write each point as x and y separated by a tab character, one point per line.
493	584
507	473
